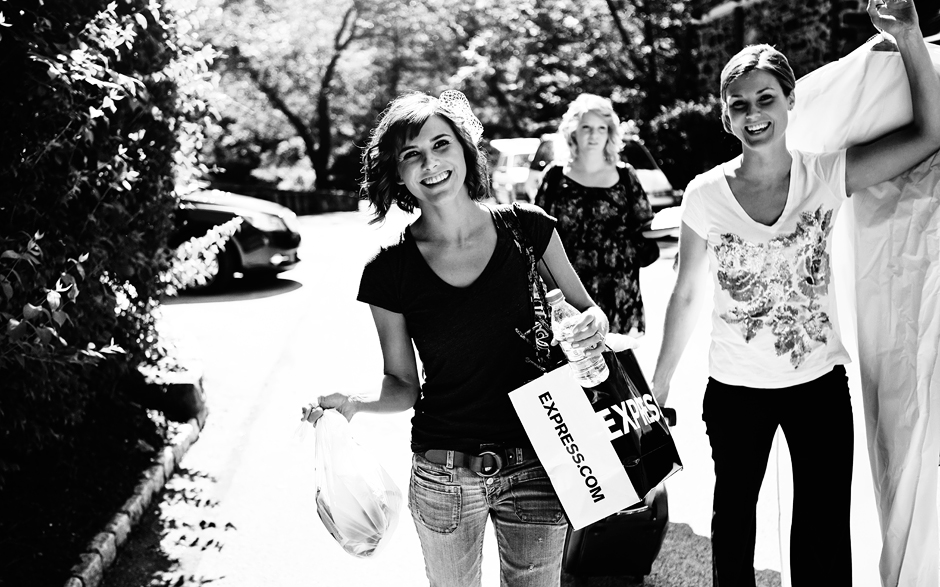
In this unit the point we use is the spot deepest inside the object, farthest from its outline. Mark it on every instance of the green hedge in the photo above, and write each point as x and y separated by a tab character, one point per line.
689	139
101	113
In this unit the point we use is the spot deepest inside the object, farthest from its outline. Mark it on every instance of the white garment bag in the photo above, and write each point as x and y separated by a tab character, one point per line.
894	232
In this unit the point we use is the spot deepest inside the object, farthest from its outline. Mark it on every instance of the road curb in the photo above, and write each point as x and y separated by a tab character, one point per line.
104	547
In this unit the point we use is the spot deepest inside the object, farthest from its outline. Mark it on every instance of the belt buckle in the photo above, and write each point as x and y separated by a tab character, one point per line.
499	464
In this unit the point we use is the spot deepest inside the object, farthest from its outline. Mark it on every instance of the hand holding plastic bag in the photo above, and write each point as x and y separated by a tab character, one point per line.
357	500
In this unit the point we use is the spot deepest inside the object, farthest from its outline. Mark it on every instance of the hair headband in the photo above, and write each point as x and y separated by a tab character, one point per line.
455	102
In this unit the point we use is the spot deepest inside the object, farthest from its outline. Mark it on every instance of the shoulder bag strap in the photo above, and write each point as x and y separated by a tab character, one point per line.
540	335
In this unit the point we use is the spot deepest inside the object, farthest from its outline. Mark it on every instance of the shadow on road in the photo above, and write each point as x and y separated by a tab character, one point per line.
183	526
245	288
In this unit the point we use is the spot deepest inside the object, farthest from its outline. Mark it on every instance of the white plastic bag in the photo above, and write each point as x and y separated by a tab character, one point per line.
357	500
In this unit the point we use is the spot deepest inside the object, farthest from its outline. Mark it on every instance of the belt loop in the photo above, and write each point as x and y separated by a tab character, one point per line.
450	459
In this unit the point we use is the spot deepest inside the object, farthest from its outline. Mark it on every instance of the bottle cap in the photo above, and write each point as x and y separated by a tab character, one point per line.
554	296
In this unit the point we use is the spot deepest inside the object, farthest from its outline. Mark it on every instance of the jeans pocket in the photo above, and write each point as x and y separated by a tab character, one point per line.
534	498
430	472
434	504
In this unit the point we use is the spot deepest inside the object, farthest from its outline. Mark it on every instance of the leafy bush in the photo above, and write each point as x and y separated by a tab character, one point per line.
102	116
195	261
689	139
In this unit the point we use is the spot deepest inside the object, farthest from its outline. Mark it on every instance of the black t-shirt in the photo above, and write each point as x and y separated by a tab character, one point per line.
466	337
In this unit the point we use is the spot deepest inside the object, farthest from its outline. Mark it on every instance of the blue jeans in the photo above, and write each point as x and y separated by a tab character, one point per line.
816	418
450	507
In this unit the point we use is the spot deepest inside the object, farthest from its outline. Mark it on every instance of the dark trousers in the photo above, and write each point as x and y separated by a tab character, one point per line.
816	418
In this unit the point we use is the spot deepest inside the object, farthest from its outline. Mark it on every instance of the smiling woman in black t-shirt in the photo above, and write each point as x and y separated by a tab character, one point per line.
456	287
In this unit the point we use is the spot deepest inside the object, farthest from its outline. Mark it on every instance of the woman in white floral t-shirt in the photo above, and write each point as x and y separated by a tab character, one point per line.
762	226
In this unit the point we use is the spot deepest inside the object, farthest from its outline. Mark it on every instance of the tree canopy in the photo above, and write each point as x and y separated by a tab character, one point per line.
316	74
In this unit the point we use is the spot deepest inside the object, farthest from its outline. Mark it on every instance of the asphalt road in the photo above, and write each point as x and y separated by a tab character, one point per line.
241	510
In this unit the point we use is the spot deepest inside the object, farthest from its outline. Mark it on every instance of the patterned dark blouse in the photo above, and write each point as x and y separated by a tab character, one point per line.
601	230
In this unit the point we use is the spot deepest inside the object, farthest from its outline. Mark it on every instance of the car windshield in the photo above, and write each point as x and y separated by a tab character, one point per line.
634	154
520	160
543	156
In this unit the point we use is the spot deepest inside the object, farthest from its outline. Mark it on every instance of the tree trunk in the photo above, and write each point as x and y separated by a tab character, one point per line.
614	7
492	82
274	96
320	157
653	95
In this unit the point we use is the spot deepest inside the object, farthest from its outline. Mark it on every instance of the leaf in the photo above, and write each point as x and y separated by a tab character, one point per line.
30	311
64	282
33	248
10	255
7	289
54	300
45	334
141	20
17	330
59	317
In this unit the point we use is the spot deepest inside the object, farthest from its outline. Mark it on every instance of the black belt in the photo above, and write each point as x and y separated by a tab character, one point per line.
485	464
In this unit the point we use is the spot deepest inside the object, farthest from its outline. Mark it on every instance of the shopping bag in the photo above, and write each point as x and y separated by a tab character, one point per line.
357	500
604	448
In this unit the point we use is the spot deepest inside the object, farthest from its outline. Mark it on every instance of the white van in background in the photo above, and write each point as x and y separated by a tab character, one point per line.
512	168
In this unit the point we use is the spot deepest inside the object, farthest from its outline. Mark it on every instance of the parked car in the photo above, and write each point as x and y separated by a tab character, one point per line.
265	244
512	168
554	148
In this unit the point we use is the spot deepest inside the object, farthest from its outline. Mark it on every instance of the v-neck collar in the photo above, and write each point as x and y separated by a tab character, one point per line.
487	269
726	188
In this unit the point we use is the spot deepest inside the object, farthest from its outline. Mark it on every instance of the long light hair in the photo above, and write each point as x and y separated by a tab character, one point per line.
601	107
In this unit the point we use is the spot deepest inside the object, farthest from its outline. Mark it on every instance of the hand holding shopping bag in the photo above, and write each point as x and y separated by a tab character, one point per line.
357	500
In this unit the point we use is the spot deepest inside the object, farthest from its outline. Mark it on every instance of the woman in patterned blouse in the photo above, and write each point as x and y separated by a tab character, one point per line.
601	210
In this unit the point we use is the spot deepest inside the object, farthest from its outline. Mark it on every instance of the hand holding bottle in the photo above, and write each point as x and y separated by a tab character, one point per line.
581	337
586	333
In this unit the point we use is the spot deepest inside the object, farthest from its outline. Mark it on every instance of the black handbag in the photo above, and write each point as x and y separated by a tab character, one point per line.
647	251
627	542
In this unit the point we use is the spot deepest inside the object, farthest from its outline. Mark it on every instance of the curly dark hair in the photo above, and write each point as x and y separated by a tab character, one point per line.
400	122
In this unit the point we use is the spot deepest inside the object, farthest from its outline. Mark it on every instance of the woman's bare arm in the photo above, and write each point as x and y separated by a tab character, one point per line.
895	153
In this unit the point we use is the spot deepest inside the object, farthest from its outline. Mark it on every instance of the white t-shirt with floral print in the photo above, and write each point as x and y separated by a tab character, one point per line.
774	322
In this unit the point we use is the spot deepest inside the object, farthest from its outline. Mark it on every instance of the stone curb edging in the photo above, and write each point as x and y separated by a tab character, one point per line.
103	548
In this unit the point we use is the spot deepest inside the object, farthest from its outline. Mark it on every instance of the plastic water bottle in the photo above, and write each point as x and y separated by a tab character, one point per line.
589	371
